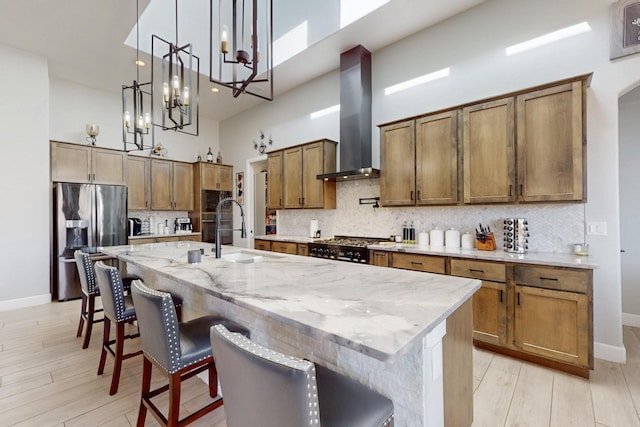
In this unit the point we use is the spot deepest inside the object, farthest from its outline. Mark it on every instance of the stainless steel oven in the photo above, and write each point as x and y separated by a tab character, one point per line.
209	226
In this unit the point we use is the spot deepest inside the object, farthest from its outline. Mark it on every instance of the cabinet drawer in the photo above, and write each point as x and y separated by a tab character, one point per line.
483	270
303	249
263	245
430	264
554	278
142	241
285	247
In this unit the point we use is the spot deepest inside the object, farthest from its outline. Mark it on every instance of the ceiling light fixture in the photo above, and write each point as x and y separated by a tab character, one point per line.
137	108
180	71
241	50
563	33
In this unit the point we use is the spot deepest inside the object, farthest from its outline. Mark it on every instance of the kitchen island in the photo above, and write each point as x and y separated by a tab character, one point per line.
381	326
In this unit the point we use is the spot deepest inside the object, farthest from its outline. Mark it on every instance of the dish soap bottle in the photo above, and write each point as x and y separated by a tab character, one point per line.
209	156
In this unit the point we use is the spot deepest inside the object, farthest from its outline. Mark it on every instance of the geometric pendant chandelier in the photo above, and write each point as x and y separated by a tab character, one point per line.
137	108
173	84
241	46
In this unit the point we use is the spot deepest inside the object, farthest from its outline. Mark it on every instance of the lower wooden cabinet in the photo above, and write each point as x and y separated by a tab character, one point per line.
285	247
426	263
263	245
164	239
490	313
303	249
380	258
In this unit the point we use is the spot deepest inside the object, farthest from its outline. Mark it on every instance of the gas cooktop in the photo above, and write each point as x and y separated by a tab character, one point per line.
344	248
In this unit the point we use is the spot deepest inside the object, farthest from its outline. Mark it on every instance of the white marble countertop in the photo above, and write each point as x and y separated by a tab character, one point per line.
155	235
377	311
538	258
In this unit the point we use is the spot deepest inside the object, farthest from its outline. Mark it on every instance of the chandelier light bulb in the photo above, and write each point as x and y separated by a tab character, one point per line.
147	120
140	123
185	96
176	86
127	119
224	39
165	92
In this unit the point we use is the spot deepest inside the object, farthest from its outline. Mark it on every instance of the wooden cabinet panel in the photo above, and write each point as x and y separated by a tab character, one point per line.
552	324
555	278
142	241
138	176
437	159
381	259
303	249
182	190
217	177
293	178
275	165
192	238
398	164
483	270
161	185
550	144
490	313
70	163
285	247
313	156
427	263
109	166
263	245
489	152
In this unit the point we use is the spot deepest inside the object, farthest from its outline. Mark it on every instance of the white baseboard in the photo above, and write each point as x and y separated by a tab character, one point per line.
25	302
610	352
629	319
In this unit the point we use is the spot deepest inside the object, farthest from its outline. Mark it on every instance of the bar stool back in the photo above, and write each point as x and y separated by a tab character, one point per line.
180	350
90	291
266	388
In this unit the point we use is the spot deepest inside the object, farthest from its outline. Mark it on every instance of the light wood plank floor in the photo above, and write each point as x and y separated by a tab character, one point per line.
46	379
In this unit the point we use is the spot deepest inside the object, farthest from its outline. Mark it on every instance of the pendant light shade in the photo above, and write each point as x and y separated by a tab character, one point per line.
241	35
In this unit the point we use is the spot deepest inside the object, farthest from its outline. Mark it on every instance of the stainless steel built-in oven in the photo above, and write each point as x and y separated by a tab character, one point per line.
210	199
209	227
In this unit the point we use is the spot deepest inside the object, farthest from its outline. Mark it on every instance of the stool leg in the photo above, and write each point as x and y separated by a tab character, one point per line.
179	313
146	387
105	344
90	312
83	311
174	400
213	380
117	365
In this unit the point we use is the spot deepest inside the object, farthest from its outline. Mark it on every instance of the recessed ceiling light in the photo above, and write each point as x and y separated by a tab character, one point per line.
140	63
215	90
574	30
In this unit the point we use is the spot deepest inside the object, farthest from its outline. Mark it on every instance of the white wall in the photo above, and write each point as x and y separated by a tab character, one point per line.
472	44
24	179
73	106
630	205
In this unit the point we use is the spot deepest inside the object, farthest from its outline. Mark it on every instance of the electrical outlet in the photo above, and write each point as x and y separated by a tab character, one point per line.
596	228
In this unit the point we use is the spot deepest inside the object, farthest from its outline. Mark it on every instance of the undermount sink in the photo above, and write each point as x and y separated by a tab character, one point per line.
247	257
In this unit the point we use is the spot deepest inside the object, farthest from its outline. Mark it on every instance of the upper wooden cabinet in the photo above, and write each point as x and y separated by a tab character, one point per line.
171	185
87	164
216	177
138	183
300	187
275	166
419	161
489	152
551	160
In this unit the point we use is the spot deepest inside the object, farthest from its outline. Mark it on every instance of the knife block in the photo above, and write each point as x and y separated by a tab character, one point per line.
488	245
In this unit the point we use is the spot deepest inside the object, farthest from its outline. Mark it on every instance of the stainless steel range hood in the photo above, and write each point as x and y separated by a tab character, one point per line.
355	117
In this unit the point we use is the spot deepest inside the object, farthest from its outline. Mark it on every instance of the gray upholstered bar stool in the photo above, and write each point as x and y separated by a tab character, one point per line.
179	349
265	388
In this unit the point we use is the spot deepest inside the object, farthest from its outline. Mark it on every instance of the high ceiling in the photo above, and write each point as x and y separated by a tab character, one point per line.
84	40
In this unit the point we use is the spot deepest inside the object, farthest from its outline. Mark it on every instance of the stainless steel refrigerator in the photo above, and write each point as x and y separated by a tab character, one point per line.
85	216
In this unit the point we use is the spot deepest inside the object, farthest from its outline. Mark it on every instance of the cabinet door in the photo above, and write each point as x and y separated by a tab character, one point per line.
552	324
138	183
437	159
381	259
293	178
209	176
303	249
490	313
182	186
313	188
161	185
70	163
274	180
489	156
398	164
109	166
550	144
225	178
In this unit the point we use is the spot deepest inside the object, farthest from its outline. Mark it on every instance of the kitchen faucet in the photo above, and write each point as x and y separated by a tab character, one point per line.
243	230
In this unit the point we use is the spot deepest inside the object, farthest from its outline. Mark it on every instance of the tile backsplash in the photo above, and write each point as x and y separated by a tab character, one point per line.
159	217
552	227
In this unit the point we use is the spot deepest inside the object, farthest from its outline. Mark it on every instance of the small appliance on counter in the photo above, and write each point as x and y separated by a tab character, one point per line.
135	227
516	235
183	225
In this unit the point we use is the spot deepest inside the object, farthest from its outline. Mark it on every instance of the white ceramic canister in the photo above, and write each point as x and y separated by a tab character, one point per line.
160	228
468	241
452	238
436	237
423	239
